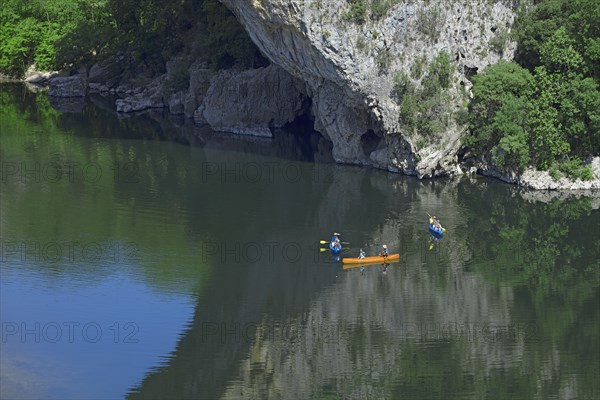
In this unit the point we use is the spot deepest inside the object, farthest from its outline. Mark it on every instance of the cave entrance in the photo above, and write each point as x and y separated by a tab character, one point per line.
369	142
300	141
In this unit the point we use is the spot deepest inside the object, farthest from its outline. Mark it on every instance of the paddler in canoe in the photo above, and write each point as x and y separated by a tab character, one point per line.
361	254
335	245
435	226
384	253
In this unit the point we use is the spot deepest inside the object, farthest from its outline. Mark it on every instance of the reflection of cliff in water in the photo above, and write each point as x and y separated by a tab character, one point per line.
507	286
434	326
357	338
297	141
95	116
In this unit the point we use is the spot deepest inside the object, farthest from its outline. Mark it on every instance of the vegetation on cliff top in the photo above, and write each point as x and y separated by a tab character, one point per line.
56	34
544	109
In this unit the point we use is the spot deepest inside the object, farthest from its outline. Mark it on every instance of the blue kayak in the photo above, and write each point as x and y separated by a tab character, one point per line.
438	232
335	248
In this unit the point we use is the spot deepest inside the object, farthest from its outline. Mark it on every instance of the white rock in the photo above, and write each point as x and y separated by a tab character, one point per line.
314	42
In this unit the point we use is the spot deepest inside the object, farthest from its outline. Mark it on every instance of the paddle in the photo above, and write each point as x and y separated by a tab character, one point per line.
326	242
323	249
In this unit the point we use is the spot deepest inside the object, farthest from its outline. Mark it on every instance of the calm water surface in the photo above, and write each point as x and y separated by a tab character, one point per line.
145	258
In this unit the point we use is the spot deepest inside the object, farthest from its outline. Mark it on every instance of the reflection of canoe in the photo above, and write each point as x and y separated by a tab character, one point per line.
335	249
371	260
438	232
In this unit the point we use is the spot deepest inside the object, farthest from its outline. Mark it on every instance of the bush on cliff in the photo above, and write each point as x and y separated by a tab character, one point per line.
425	110
545	113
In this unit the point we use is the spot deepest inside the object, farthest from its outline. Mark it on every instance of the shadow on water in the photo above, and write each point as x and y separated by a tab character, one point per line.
95	117
504	306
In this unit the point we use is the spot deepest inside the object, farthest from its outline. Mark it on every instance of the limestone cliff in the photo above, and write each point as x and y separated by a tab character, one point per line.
349	63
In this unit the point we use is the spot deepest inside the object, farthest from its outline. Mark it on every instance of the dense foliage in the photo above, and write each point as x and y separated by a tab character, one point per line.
29	31
56	34
544	110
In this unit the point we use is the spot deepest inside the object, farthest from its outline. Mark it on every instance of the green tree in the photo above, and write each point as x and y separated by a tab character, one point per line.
552	121
17	45
502	87
558	54
30	30
510	122
438	74
579	19
549	140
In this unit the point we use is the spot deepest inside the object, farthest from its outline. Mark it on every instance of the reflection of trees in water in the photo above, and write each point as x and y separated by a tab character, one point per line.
534	340
430	328
526	271
549	253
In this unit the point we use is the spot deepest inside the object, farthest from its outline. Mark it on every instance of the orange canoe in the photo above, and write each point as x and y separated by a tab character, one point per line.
371	260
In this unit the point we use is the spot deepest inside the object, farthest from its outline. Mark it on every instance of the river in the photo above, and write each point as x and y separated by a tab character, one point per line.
143	257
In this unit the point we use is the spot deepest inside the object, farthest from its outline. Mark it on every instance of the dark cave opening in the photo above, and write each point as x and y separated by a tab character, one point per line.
369	142
300	140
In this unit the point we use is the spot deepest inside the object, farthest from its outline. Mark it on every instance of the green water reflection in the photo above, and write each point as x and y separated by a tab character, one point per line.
506	305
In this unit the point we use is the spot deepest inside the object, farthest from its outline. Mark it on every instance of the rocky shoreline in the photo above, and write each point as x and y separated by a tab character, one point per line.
542	180
229	105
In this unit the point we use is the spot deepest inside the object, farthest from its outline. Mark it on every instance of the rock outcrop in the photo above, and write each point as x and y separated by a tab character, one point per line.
105	75
200	79
252	101
35	77
68	86
152	96
350	67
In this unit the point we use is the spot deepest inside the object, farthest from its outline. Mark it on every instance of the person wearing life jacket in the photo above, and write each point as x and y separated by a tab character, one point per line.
384	252
335	240
361	254
435	223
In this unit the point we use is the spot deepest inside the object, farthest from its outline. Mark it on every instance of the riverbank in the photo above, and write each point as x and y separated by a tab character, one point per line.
69	93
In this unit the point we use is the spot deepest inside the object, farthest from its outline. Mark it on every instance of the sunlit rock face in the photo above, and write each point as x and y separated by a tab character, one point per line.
349	62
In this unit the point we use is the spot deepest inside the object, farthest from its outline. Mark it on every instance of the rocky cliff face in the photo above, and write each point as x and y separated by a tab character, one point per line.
349	67
253	101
